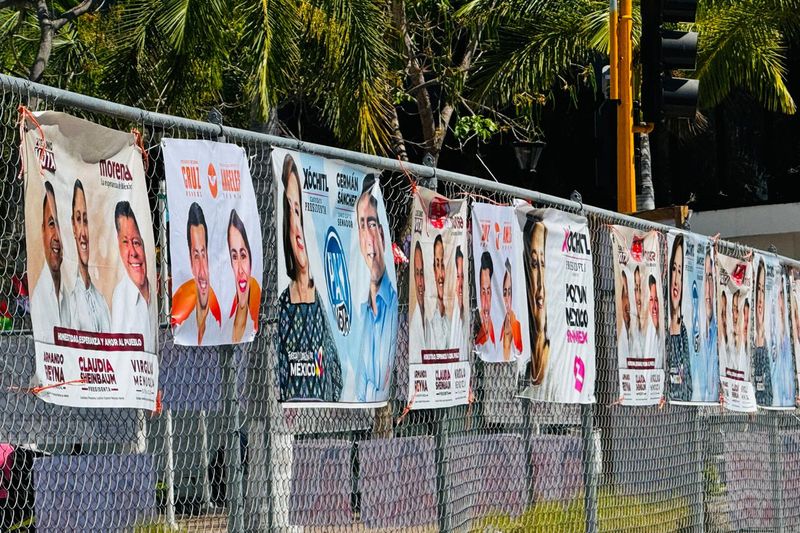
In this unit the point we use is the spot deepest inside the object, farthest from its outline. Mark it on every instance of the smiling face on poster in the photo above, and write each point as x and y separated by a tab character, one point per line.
91	262
499	281
337	284
639	308
559	288
735	279
215	243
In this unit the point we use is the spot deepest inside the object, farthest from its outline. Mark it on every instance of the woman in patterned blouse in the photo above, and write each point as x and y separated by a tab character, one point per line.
308	363
678	341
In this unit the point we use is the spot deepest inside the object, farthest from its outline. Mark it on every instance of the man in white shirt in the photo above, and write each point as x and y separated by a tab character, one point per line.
133	303
654	346
458	335
88	308
417	332
49	304
624	323
439	326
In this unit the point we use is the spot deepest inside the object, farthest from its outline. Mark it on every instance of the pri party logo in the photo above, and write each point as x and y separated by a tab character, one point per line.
213	185
338	281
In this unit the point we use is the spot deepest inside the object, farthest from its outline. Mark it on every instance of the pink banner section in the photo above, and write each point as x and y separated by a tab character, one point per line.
321	486
397	481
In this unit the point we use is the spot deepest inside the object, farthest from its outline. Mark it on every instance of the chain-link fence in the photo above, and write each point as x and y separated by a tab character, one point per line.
223	454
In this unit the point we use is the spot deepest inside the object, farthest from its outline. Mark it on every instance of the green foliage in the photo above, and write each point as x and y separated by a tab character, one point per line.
481	127
615	512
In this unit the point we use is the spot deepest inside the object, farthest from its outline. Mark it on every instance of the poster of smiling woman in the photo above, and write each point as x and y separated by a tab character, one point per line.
216	254
638	298
337	287
557	260
91	264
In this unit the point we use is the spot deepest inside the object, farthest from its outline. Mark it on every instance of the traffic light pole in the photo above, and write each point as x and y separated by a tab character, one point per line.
621	52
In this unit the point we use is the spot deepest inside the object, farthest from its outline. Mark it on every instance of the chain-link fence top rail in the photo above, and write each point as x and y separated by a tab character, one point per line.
224	454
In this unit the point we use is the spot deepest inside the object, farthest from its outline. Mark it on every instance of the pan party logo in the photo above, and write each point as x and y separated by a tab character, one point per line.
338	281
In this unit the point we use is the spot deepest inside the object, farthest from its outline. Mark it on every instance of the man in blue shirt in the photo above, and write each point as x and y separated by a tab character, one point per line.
379	312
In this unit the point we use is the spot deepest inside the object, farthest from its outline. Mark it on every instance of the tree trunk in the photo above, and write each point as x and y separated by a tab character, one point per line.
645	196
45	49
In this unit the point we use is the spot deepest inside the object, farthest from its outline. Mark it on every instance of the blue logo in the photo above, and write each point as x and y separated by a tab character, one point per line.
338	281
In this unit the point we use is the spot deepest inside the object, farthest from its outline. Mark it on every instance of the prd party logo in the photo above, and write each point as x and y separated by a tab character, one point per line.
338	281
637	249
738	273
438	211
212	180
318	363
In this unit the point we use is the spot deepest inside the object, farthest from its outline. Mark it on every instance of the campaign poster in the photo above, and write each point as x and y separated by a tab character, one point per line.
793	274
638	300
692	301
91	264
438	339
337	287
216	256
773	361
559	289
735	314
502	334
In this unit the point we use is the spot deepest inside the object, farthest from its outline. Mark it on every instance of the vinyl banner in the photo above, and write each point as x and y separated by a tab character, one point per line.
794	314
692	355
499	283
215	243
773	363
638	300
735	300
559	288
337	288
439	372
91	264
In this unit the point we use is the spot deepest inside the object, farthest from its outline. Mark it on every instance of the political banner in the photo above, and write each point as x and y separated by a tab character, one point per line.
91	264
773	362
438	357
692	355
557	259
734	298
337	287
216	256
794	313
638	300
499	284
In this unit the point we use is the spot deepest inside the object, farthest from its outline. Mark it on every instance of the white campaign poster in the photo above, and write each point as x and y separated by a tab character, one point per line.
692	307
773	362
499	284
215	248
337	287
638	300
557	260
439	371
91	264
735	312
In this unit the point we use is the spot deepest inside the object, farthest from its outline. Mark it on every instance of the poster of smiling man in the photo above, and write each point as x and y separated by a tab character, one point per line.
215	243
337	287
559	286
638	299
500	284
773	361
439	372
91	264
735	296
793	304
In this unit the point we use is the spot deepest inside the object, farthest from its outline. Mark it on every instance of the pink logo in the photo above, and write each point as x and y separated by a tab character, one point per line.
579	371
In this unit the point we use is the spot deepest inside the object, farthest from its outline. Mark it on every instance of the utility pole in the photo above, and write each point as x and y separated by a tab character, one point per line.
620	25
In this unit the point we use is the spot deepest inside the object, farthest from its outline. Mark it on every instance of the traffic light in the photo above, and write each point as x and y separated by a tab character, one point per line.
663	51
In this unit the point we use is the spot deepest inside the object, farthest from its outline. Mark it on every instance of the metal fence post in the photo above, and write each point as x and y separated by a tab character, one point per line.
589	470
698	501
233	451
441	438
170	470
775	474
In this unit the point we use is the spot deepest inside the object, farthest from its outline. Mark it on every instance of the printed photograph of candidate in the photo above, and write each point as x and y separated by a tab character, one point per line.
704	358
534	236
379	311
783	365
762	366
677	350
243	318
49	296
195	307
308	362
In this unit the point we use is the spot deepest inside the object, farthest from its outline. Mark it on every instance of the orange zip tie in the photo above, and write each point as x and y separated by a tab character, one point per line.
407	174
407	408
618	401
482	197
661	403
42	388
159	406
140	145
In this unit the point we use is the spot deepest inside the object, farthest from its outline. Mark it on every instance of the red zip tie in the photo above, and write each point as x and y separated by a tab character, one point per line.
407	408
140	145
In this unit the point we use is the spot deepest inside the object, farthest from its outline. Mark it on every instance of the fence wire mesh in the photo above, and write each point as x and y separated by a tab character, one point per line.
223	454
